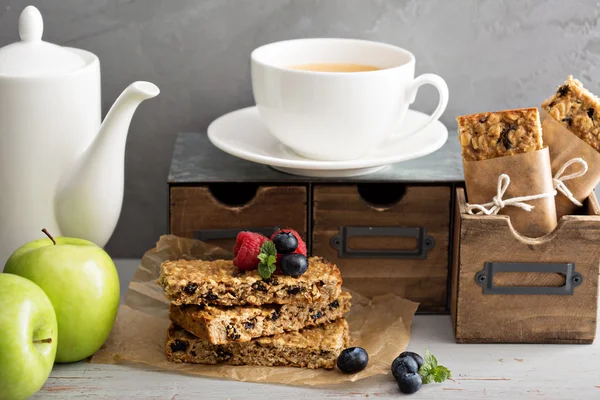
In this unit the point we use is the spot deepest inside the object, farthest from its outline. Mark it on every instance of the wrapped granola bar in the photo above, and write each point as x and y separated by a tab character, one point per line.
571	124
507	169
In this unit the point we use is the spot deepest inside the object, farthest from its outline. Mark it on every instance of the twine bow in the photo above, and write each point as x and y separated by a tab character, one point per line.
559	180
498	203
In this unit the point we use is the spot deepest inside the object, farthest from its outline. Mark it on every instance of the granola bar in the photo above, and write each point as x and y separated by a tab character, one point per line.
221	283
577	109
316	347
502	133
219	325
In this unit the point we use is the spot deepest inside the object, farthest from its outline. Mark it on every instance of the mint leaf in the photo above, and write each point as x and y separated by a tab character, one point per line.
268	248
441	373
425	373
267	258
265	270
431	371
430	359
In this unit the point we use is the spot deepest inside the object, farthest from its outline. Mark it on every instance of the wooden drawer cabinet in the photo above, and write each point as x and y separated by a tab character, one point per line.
216	213
386	238
388	231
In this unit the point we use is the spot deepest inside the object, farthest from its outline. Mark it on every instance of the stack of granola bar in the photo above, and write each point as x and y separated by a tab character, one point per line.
223	315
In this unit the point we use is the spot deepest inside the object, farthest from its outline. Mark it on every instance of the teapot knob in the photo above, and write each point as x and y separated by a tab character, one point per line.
31	24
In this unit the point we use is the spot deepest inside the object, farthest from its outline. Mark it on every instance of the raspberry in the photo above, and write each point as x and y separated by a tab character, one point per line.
301	245
246	250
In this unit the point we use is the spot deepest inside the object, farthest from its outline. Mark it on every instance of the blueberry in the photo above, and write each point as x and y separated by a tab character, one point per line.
294	264
410	382
414	356
403	365
353	360
285	242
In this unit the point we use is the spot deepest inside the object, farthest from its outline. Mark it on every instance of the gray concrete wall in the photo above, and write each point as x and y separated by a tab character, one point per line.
494	54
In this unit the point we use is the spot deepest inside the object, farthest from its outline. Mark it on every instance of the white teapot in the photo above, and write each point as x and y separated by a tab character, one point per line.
60	167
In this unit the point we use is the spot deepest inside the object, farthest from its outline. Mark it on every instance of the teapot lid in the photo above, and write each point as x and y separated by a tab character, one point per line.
34	57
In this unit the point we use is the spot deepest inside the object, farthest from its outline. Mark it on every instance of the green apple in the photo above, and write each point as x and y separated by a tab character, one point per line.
82	282
28	337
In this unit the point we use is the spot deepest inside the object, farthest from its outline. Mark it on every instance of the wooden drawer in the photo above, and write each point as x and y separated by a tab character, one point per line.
507	288
216	213
386	238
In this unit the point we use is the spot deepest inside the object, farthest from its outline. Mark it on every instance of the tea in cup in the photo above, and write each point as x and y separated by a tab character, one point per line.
337	99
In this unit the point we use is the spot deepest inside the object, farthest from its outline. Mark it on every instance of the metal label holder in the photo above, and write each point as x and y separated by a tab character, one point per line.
485	278
341	240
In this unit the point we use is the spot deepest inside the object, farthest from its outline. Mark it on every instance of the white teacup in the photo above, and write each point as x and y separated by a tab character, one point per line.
337	115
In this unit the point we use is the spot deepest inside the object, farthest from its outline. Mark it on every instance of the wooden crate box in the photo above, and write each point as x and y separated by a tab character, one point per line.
507	288
386	238
216	213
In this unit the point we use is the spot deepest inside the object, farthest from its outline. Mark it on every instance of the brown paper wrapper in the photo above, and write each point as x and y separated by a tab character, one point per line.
530	174
380	325
564	146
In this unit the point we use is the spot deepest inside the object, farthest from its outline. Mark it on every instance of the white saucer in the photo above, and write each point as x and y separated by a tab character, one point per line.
242	134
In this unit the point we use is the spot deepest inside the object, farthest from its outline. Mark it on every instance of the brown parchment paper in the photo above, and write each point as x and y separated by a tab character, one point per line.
530	174
380	325
564	146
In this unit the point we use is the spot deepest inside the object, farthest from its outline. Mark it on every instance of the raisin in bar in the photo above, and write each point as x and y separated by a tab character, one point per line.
576	108
496	134
221	283
219	325
316	347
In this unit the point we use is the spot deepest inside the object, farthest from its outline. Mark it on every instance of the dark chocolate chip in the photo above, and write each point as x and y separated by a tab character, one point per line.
224	355
294	290
275	315
232	332
563	90
248	325
590	112
321	283
271	281
179	345
318	315
210	296
259	287
504	136
568	120
552	104
190	288
334	304
484	119
193	353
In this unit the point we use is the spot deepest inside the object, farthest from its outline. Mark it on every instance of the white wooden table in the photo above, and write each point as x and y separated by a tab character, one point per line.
479	372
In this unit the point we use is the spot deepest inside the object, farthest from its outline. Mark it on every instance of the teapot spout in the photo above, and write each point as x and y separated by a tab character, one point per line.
90	194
